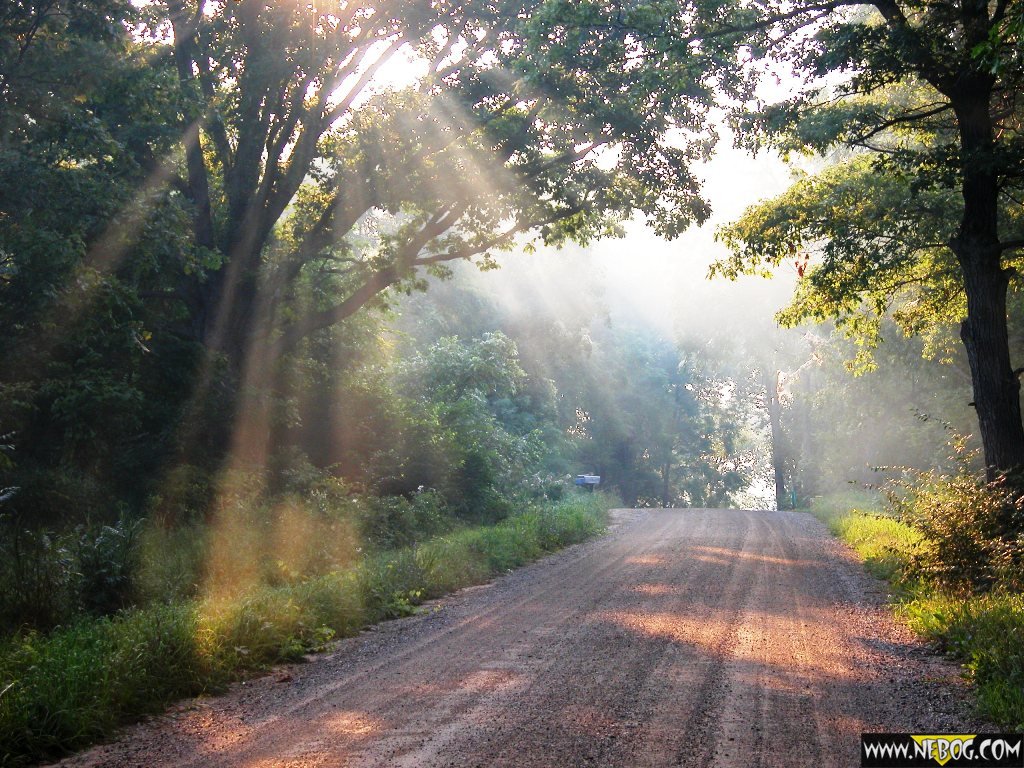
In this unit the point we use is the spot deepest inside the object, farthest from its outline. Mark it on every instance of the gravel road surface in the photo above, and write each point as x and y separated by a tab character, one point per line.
684	637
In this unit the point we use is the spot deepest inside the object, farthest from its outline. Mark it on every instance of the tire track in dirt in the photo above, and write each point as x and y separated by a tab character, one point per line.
684	637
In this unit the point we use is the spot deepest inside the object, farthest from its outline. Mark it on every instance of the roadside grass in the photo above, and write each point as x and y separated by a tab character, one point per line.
985	632
884	543
74	686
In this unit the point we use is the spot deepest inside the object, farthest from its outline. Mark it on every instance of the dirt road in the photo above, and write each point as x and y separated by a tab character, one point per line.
693	638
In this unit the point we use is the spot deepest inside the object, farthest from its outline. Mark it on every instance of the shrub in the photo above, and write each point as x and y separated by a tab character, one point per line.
391	522
49	578
107	558
38	578
971	529
985	631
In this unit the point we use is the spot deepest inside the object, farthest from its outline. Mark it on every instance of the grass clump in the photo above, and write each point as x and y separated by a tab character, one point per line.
886	545
73	686
987	633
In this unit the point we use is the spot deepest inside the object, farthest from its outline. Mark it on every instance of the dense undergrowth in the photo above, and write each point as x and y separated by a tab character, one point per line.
970	608
74	685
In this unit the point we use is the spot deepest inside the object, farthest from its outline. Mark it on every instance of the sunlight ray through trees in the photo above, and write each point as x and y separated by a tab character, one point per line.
258	362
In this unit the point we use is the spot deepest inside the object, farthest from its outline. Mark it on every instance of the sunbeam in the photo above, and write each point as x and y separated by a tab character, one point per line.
316	312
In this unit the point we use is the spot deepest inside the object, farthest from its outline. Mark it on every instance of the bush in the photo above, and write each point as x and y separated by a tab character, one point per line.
391	522
107	558
277	541
971	530
49	578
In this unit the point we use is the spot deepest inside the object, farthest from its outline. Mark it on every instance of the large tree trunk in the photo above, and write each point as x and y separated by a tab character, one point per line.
979	252
984	334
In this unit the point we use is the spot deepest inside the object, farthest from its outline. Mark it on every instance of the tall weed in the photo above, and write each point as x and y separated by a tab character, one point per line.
49	578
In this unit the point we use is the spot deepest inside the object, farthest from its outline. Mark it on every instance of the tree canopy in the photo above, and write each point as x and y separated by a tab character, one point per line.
187	224
936	118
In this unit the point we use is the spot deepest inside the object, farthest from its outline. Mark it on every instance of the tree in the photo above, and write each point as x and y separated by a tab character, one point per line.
937	114
654	422
774	407
905	412
83	128
470	393
235	179
316	184
507	130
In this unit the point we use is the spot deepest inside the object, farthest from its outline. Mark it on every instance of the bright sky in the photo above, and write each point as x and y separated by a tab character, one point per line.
663	284
650	273
642	274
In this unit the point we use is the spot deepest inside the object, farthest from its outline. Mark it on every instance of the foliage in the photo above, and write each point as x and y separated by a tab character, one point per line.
82	229
392	522
49	577
609	397
970	529
949	528
76	685
876	245
902	411
169	562
985	633
346	186
470	391
654	422
922	212
452	422
39	579
178	248
462	438
982	631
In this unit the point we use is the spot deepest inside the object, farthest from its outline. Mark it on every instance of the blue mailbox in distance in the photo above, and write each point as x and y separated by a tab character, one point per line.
588	481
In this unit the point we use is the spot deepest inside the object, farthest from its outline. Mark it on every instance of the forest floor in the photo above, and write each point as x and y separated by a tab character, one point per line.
684	637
